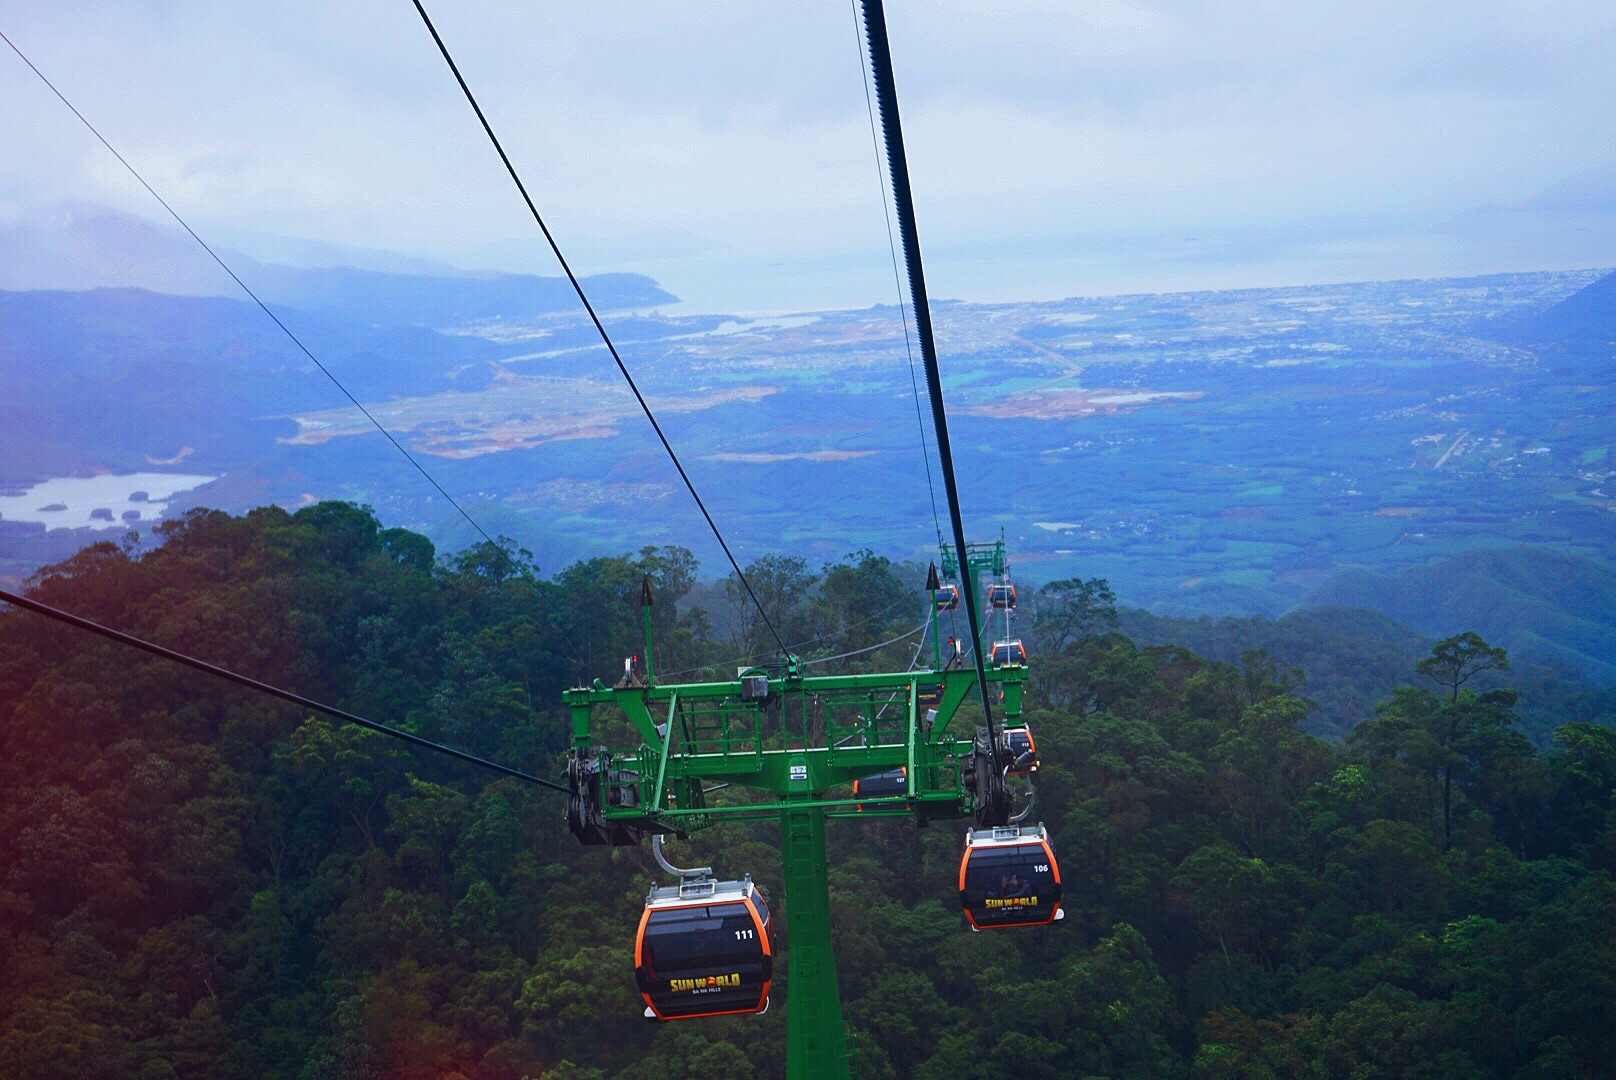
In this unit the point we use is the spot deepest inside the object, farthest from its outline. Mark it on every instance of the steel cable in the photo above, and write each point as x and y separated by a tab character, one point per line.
871	648
903	199
304	349
793	648
600	327
38	608
897	279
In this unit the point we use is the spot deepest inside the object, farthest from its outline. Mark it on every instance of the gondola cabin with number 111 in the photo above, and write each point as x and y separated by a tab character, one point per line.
705	948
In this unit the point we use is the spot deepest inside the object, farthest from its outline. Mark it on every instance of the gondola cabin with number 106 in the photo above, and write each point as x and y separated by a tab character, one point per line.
705	948
1009	877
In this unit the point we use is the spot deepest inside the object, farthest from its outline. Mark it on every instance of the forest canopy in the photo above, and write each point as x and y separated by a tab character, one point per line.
198	882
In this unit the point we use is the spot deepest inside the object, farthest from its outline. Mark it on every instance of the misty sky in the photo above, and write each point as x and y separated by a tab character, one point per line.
1058	147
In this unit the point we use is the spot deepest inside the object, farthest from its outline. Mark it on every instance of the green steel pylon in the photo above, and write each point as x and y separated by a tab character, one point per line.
707	751
816	1047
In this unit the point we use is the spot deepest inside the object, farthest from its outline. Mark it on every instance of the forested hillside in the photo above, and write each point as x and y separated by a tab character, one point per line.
196	882
1552	607
1346	659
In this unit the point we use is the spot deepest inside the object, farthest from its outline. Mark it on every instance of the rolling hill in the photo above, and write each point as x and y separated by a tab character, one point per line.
1352	659
1548	606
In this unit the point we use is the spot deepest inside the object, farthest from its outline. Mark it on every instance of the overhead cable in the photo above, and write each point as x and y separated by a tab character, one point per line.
886	96
38	608
897	280
600	327
304	349
870	648
721	664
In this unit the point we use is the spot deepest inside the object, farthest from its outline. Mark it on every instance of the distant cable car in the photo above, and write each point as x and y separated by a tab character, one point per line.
1009	654
1023	751
704	948
881	786
947	597
1002	597
1009	877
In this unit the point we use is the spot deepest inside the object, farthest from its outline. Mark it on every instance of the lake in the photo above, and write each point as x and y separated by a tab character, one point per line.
99	502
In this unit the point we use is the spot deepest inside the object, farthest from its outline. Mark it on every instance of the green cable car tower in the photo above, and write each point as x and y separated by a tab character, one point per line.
780	745
784	746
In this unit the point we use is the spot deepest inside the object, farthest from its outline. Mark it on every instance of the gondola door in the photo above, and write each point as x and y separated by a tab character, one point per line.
1009	877
704	949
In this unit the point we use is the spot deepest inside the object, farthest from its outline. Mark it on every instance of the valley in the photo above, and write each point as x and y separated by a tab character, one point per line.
1217	452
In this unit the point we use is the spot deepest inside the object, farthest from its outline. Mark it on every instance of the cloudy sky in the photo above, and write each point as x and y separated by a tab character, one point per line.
1058	147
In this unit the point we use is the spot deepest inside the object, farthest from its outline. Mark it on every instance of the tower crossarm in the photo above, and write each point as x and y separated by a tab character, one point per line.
770	742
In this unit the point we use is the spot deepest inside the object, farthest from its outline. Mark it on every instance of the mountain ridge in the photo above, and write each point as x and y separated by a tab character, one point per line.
1582	323
1550	606
83	247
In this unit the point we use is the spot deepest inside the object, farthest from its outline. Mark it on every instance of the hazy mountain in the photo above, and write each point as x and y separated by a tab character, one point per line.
1583	323
1544	605
1352	658
82	246
110	378
384	299
315	254
86	247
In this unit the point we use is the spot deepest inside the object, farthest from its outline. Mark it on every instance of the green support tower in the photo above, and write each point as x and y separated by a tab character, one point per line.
782	746
979	559
814	1042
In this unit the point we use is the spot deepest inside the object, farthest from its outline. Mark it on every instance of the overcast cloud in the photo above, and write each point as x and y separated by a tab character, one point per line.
1057	146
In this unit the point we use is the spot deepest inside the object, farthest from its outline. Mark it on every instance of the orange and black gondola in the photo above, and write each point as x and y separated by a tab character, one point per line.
1002	597
1009	654
881	786
1023	750
705	948
947	597
1009	877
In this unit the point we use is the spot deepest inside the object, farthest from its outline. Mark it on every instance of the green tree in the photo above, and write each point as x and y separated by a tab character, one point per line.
1582	773
1466	740
1456	660
902	1010
194	882
1395	867
1227	893
1071	611
1262	677
785	589
1122	1011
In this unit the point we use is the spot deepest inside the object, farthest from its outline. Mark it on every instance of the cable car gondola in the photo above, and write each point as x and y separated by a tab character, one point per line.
1009	654
947	597
1009	877
881	785
1023	751
1002	597
704	948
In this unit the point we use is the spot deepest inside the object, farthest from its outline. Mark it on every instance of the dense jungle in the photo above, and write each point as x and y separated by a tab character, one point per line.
196	882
